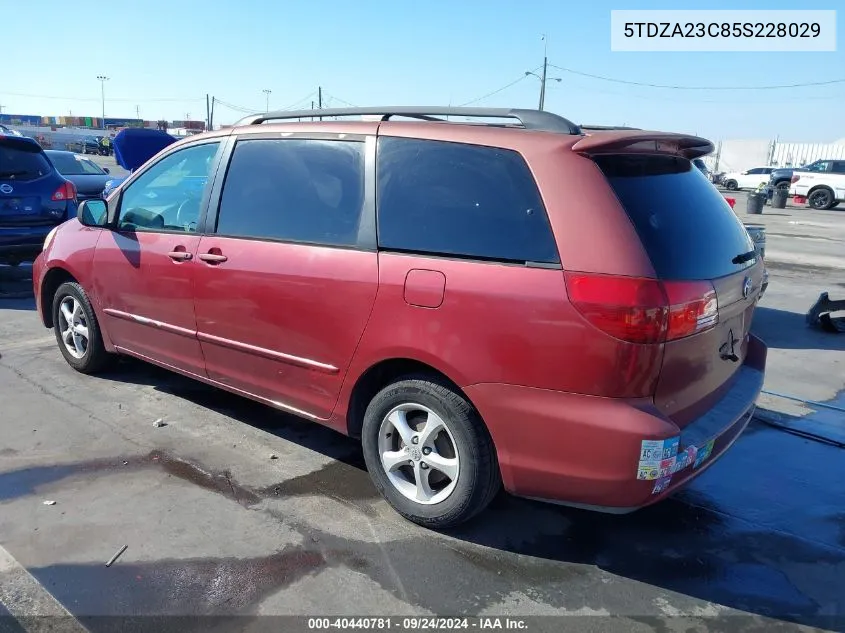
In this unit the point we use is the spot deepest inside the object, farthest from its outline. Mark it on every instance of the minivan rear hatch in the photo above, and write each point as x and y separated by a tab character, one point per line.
704	259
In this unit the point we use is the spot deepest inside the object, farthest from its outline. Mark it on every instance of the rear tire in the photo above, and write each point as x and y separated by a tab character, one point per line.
435	478
77	330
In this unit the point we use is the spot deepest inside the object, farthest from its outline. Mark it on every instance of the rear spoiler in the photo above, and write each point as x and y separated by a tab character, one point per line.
643	142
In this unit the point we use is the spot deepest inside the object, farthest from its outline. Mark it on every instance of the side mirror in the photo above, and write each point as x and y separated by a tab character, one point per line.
106	169
92	212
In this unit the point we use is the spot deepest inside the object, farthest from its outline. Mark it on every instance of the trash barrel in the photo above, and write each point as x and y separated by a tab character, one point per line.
756	201
779	197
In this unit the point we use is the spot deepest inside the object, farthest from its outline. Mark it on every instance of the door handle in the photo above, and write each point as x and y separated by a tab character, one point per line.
213	258
179	256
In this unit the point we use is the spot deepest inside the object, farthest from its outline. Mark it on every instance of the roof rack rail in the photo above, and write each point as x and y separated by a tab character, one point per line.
530	119
607	127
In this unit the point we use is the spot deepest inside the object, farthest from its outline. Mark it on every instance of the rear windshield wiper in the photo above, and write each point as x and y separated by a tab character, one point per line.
745	257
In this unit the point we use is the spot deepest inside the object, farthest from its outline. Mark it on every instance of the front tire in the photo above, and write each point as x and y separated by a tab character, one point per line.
731	185
429	453
77	330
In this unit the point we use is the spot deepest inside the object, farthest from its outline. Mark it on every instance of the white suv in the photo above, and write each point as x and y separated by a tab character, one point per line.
748	179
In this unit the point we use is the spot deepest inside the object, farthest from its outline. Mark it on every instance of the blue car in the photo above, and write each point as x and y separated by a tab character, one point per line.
34	198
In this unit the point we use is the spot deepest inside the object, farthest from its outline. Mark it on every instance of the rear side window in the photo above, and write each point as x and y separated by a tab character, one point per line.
685	224
445	198
294	190
22	162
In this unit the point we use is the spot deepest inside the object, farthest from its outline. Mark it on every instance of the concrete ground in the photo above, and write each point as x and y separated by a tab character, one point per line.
214	527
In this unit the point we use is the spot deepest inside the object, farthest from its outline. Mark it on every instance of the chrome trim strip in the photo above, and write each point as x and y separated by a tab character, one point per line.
269	353
167	327
214	383
210	338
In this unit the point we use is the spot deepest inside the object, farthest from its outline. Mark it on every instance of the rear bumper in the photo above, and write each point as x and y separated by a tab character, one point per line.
585	450
23	243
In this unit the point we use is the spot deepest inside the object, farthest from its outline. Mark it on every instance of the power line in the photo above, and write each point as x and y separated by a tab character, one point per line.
236	108
673	87
304	99
335	98
497	91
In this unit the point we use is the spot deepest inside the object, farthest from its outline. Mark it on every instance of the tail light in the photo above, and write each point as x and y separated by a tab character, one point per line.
645	311
66	192
731	202
795	179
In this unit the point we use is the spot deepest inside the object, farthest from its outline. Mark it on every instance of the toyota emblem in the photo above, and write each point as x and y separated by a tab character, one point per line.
4	188
746	288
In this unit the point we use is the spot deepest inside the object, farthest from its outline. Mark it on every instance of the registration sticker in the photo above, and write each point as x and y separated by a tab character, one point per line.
661	485
685	458
667	467
704	453
670	447
651	452
657	458
648	473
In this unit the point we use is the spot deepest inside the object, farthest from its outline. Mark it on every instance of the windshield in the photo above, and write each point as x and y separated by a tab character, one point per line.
685	224
73	165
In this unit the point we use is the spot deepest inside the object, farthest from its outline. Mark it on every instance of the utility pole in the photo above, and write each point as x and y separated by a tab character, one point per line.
137	112
207	113
320	99
266	99
544	77
103	79
211	116
543	81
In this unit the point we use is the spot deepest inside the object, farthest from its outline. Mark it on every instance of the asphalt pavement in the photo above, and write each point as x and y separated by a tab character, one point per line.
214	527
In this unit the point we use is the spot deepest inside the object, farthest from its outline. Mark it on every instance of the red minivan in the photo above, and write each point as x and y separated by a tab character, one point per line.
562	311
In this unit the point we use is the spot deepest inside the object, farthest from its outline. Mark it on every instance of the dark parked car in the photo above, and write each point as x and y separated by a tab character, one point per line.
34	198
782	178
564	313
87	145
89	178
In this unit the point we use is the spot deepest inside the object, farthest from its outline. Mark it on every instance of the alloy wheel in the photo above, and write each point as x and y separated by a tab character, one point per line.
73	327
418	453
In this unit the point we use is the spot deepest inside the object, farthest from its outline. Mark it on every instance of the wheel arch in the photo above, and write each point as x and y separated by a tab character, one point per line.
54	278
379	375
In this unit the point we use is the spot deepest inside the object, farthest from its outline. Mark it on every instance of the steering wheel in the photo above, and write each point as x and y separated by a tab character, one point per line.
185	211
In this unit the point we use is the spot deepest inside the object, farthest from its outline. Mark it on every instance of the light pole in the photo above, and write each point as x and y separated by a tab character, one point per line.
266	99
103	79
543	81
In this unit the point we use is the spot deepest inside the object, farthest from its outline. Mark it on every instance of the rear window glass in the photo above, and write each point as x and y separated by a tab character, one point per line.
685	224
18	163
453	199
72	165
